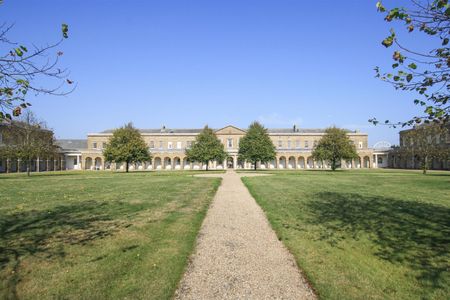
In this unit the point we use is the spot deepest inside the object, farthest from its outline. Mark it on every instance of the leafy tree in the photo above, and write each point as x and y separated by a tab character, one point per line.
424	143
22	69
27	139
256	145
334	146
126	145
206	147
425	72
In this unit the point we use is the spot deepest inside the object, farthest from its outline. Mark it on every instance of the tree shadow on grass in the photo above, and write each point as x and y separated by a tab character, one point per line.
43	234
408	233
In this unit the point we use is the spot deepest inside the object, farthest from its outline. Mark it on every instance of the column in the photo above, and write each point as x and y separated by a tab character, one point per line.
224	164
55	163
375	165
214	164
38	166
8	165
18	165
235	162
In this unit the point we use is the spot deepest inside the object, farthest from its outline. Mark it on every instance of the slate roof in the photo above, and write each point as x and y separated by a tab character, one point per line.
72	144
198	130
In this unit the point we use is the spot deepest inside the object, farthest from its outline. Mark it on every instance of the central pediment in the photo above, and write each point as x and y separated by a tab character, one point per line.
230	129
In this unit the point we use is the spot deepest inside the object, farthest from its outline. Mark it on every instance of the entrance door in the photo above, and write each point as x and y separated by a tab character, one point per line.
230	162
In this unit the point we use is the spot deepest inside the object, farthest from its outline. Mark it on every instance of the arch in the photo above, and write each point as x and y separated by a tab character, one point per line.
157	163
177	163
219	165
272	164
282	162
186	164
291	162
310	163
348	164
300	162
358	163
150	164
366	162
167	163
98	163
87	163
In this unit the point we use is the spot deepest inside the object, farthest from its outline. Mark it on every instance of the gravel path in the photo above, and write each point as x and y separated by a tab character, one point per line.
238	255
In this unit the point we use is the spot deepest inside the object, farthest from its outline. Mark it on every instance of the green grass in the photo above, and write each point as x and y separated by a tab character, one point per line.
98	235
363	234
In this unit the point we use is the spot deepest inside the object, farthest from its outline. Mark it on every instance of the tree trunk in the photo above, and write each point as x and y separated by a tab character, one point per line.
28	167
207	163
424	165
126	166
255	162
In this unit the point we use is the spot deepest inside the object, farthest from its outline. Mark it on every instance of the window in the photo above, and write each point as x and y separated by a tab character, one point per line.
280	143
94	145
314	143
230	143
75	162
178	145
306	144
152	144
188	144
160	144
360	145
380	160
103	145
289	144
297	144
169	145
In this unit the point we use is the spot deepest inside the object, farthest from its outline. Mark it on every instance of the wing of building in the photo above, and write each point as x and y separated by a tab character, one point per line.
293	145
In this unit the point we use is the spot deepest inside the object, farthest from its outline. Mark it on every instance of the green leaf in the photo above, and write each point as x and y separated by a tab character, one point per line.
18	52
409	77
445	42
394	65
412	66
380	7
387	42
65	30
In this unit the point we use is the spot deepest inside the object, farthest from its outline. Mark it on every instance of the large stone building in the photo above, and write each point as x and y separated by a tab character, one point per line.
294	147
401	160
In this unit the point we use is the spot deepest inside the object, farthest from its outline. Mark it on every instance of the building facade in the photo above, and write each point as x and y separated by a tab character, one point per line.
399	160
293	150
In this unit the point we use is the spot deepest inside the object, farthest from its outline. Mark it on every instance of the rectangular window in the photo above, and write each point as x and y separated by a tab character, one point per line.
289	145
178	145
280	144
160	144
306	144
75	162
188	144
152	144
169	145
94	145
103	145
360	145
230	143
297	144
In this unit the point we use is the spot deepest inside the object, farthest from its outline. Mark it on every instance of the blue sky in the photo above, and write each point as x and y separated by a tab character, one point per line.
190	63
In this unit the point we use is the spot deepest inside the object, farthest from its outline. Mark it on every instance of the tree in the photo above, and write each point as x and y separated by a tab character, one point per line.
334	146
425	143
256	145
424	72
22	70
28	139
126	145
206	147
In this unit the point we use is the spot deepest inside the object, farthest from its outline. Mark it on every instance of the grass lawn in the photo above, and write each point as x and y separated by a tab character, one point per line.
98	235
371	234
